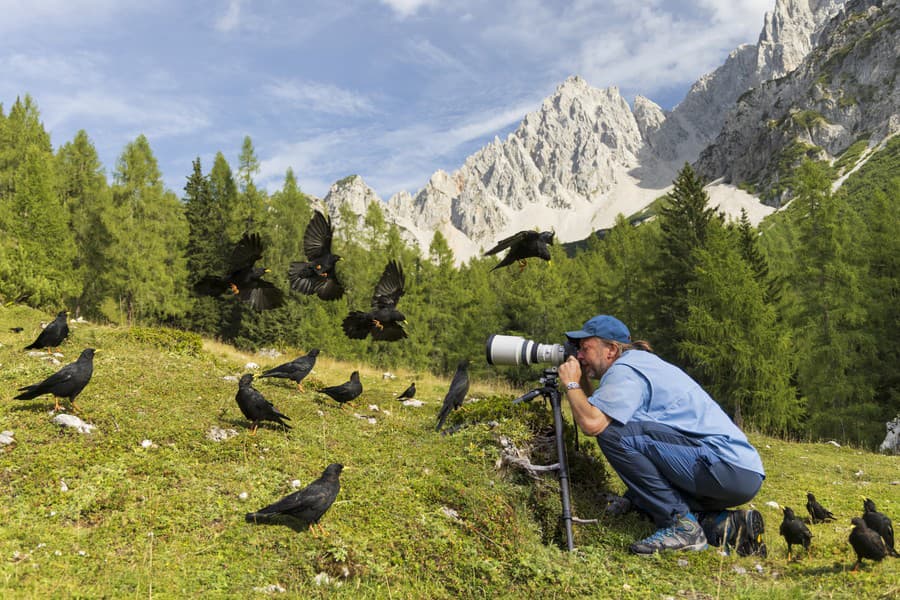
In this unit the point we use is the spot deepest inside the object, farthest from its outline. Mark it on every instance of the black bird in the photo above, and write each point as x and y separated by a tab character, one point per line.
296	370
523	245
794	531
17	329
244	280
346	391
383	321
459	387
53	334
866	542
65	383
255	407
306	505
881	524
317	276
817	512
409	392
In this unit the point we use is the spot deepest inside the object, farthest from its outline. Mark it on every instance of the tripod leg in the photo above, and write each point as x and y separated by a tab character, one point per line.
563	468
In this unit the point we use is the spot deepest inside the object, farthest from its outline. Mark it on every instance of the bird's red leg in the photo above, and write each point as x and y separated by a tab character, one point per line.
522	264
74	407
377	323
57	407
253	428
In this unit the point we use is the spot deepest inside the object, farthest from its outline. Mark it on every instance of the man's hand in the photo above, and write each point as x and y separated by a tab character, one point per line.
570	371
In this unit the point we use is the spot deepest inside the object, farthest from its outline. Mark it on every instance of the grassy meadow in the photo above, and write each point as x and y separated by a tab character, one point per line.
148	506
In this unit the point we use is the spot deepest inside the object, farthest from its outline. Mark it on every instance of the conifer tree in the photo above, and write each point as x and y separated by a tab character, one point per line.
82	185
146	272
684	223
731	335
832	343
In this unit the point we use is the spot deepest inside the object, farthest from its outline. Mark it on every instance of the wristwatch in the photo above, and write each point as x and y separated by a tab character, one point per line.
573	385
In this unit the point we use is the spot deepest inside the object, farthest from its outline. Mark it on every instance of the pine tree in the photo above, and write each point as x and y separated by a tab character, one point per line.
146	268
684	222
832	345
731	335
83	188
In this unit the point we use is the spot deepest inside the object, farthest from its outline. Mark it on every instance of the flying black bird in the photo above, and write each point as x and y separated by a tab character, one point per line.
459	387
317	276
306	505
881	524
53	334
296	370
383	321
346	391
817	512
255	407
523	245
866	542
244	280
65	383
409	392
794	531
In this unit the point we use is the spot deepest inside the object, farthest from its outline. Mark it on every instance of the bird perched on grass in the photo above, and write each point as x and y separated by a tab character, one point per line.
243	279
68	382
866	542
255	407
522	246
346	391
383	321
408	393
53	334
296	370
317	276
817	512
881	524
794	531
459	387
307	505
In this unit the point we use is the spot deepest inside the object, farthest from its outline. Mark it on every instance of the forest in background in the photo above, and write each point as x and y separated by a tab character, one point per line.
792	326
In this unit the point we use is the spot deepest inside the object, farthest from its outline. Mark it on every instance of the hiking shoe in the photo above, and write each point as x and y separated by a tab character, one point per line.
685	534
740	530
749	529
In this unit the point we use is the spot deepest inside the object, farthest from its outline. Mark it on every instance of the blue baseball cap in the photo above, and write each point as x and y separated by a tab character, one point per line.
603	326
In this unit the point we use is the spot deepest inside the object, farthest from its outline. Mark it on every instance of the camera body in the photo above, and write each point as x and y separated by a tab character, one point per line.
516	350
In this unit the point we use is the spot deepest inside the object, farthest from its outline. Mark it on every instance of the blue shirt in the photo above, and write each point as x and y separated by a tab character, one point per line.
640	386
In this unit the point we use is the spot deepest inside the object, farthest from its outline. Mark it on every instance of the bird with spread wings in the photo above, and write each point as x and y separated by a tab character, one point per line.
317	275
383	322
244	280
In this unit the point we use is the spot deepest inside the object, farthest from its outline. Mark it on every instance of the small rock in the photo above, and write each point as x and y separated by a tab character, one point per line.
67	420
449	512
373	407
62	486
739	570
6	438
217	434
833	443
758	567
250	366
273	588
230	378
860	473
682	562
413	403
147	444
773	504
243	495
388	375
295	483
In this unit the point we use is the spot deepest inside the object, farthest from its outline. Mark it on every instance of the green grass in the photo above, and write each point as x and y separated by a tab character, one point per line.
168	520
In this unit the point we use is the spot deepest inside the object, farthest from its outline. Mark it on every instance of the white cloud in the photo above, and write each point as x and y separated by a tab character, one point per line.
20	15
319	97
407	8
231	18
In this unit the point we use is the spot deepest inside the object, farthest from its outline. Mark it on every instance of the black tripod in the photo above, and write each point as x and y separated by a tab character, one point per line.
550	391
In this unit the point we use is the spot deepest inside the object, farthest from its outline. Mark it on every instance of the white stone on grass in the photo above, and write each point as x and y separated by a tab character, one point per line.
67	420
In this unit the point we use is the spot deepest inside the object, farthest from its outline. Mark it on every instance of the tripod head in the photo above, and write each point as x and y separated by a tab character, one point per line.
549	387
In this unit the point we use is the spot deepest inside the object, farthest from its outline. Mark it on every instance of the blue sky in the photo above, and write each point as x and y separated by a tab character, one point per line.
391	90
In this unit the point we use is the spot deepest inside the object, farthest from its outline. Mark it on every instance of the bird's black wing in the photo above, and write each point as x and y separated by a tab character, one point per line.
390	287
247	251
317	237
56	382
262	296
409	392
516	239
